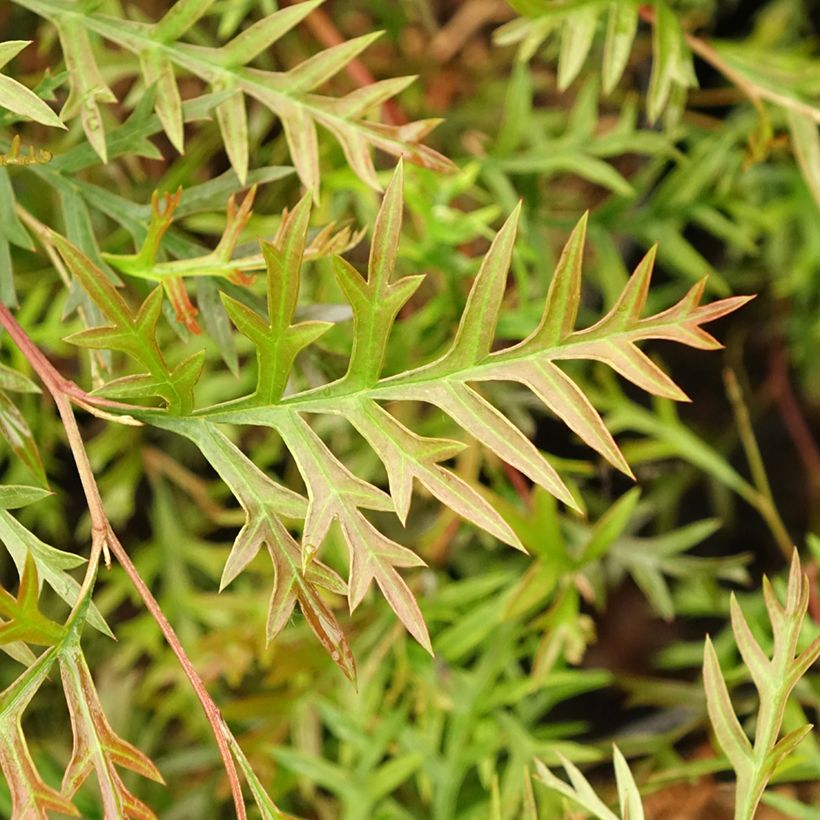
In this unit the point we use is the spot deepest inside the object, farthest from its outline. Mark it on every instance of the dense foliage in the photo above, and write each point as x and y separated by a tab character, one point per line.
394	450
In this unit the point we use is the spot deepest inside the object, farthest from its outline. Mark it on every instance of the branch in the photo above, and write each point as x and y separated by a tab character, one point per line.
103	537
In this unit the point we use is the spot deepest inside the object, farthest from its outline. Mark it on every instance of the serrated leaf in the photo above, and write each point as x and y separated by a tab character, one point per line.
52	564
87	88
376	301
334	493
31	797
23	619
286	94
97	748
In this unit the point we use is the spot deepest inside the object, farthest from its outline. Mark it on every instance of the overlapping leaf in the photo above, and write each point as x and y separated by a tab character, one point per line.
672	70
450	383
134	334
290	95
96	746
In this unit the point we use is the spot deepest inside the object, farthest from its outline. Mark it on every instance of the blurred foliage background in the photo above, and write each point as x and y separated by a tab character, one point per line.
597	635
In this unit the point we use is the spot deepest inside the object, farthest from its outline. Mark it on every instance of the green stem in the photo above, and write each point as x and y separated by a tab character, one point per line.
764	501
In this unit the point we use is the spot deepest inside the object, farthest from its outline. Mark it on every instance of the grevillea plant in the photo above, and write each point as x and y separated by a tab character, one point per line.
755	763
342	414
363	394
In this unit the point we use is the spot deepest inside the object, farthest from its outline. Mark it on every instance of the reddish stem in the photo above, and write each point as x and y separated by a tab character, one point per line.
793	418
519	484
62	390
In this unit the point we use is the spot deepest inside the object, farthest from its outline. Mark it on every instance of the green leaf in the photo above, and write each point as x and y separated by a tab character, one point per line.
86	83
611	525
13	497
728	731
334	493
52	564
19	99
377	301
278	341
668	49
16	382
288	94
24	621
15	430
806	146
576	41
622	25
628	794
578	790
134	334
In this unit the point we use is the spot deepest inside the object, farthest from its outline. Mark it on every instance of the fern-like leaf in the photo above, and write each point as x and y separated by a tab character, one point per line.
97	748
450	383
774	678
290	95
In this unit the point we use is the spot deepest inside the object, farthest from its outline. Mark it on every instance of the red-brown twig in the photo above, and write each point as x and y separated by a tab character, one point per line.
793	419
63	392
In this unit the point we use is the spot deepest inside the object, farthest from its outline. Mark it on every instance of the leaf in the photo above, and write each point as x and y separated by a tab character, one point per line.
622	25
19	99
580	790
97	748
14	496
729	733
87	88
576	40
278	342
774	678
376	302
265	503
52	564
334	493
31	797
610	525
134	334
290	95
18	435
628	794
24	621
806	147
16	382
668	48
